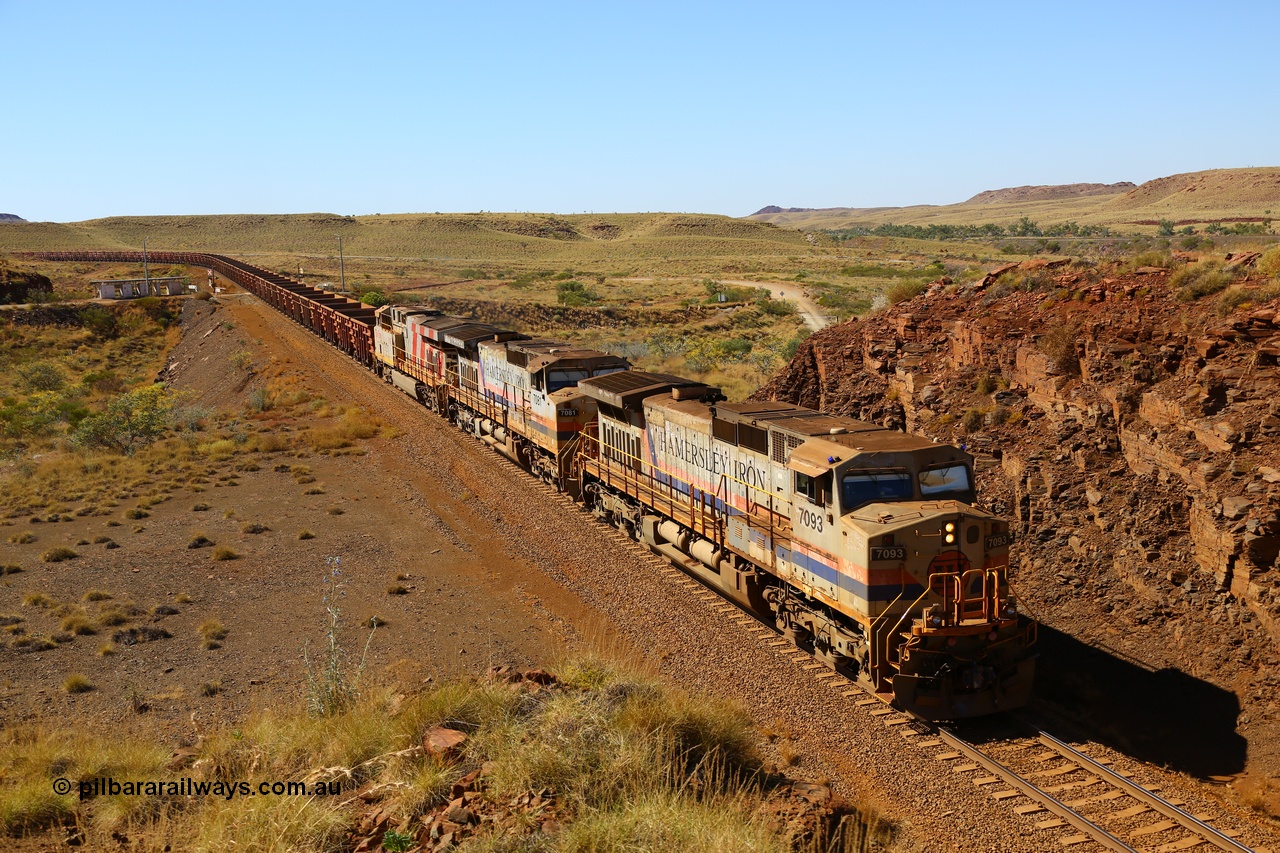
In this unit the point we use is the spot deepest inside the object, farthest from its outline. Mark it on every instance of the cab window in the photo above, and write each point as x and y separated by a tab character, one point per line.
816	489
949	482
557	379
858	488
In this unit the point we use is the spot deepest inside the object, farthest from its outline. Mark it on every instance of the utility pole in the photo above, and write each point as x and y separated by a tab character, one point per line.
342	266
146	274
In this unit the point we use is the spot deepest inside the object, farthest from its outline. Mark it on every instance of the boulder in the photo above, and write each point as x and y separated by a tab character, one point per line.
443	743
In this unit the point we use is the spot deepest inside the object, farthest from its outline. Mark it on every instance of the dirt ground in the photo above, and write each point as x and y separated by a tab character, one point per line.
469	600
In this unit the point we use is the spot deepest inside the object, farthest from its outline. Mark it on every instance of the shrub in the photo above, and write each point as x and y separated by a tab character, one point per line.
986	383
1202	279
24	538
79	625
1269	263
972	421
58	555
37	599
112	618
100	322
131	421
374	298
397	589
903	290
42	376
252	527
212	629
1164	260
333	685
223	553
574	294
77	683
201	541
306	534
1059	345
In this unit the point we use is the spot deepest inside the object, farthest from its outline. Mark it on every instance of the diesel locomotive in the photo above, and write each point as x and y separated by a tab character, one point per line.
862	544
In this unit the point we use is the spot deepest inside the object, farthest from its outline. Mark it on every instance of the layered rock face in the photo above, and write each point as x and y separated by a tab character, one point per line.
1135	439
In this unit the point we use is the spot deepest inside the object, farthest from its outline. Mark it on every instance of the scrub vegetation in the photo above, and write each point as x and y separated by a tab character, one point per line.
613	758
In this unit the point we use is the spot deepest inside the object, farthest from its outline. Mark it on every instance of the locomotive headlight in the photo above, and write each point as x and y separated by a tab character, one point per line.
1010	607
949	536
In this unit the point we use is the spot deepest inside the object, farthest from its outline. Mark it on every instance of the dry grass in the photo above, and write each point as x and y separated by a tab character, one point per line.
306	534
223	553
58	555
77	683
79	625
619	750
212	629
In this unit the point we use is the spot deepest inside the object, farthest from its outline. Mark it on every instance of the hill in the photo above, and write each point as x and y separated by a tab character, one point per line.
1250	194
11	217
703	241
1048	193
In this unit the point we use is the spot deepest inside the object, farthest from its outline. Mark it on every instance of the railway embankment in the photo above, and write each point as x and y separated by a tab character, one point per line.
1132	429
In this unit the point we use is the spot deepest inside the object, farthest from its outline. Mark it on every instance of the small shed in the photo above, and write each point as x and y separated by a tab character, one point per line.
132	288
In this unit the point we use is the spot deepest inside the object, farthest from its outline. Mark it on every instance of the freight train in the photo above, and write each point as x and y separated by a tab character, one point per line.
861	544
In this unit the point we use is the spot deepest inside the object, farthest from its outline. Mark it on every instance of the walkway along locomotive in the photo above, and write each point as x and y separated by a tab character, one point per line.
862	544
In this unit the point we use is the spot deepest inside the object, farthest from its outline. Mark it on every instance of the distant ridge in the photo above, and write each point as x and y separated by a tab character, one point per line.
773	208
11	217
1249	194
1051	192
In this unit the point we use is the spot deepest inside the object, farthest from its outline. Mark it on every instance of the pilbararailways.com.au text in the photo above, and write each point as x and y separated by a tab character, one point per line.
188	787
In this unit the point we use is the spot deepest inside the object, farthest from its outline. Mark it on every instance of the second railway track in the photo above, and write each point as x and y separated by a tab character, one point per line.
1080	800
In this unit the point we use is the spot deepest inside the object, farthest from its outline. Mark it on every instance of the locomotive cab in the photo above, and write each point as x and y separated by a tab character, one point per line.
924	569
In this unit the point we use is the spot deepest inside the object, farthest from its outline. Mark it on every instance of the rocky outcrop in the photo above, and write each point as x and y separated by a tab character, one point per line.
1134	439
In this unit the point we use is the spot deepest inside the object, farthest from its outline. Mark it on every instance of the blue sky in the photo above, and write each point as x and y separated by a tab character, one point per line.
131	108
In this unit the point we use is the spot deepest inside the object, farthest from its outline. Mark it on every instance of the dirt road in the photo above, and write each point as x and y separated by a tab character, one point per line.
813	314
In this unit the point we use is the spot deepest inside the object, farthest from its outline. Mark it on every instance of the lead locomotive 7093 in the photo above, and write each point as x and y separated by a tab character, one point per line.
862	544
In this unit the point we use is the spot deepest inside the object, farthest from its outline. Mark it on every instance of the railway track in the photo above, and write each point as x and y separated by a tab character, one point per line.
1080	798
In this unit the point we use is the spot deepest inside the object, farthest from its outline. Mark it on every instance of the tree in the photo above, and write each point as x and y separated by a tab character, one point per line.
1165	228
132	420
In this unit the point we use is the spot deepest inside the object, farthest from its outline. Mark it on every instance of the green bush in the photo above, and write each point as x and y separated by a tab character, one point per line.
42	376
131	420
100	322
374	298
574	294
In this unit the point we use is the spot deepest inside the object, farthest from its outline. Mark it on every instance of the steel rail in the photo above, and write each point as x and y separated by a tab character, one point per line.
1158	803
1050	802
